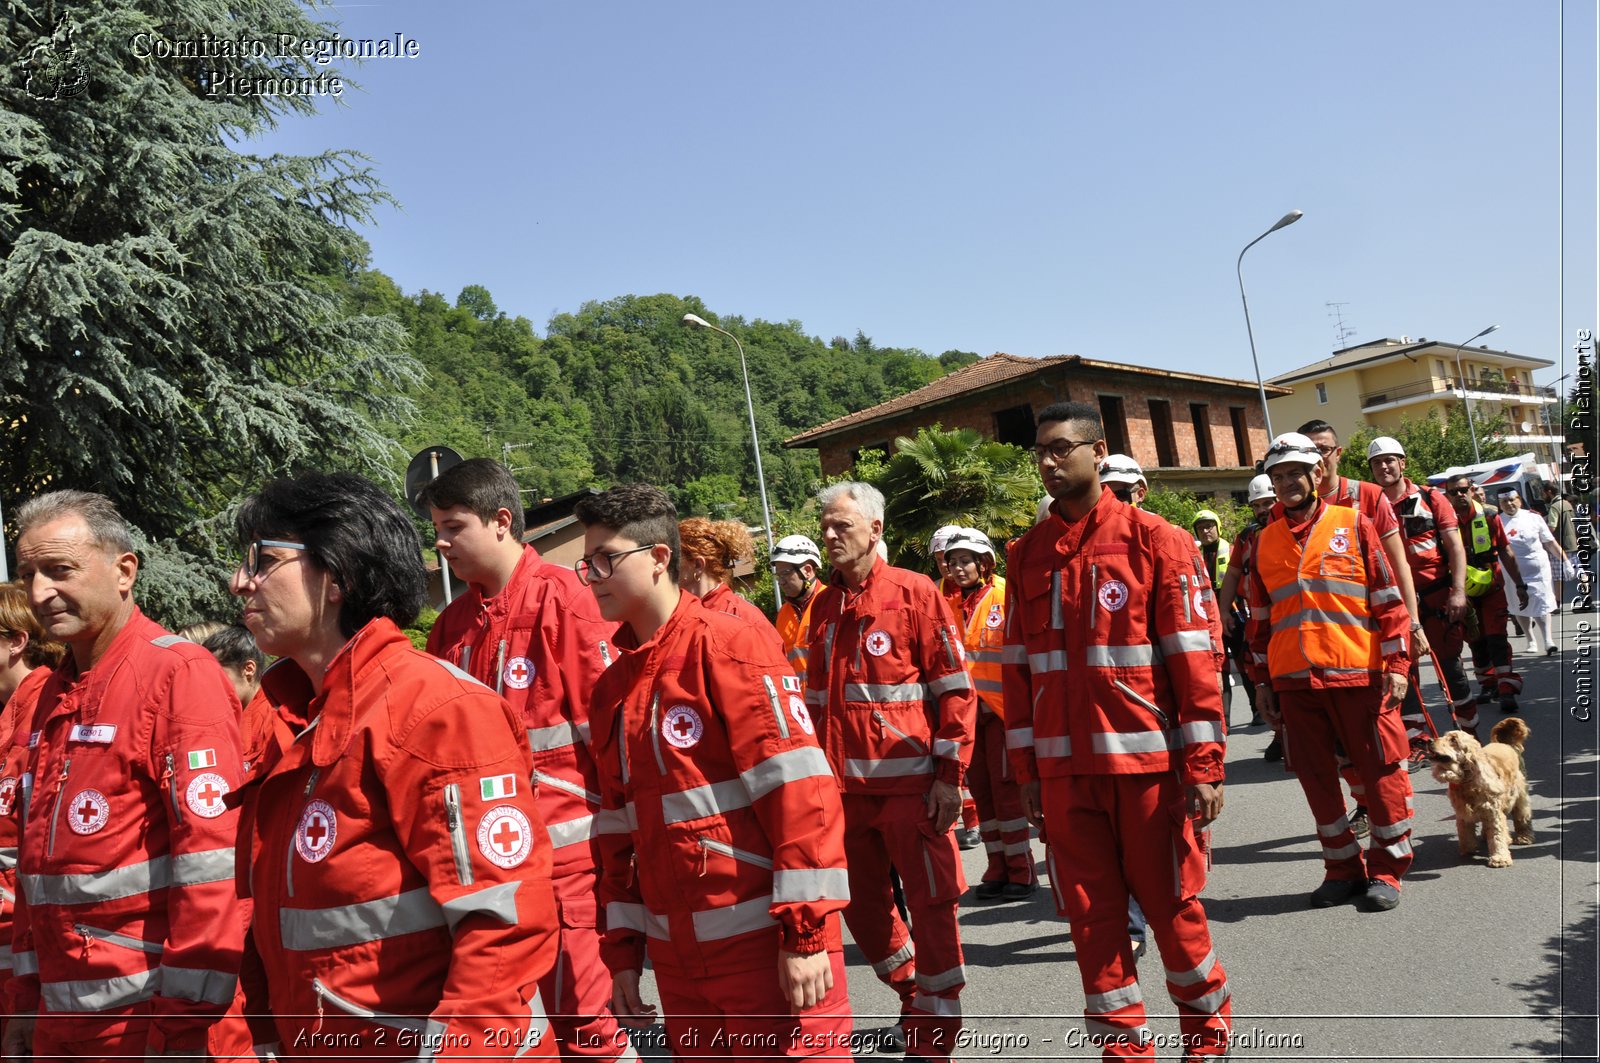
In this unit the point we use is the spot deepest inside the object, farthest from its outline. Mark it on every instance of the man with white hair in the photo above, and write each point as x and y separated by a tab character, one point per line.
895	714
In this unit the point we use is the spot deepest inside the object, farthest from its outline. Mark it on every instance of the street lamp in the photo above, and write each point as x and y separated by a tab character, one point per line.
696	321
1288	219
1465	399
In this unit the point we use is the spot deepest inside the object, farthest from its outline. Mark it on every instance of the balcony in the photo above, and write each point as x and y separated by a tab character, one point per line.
1482	388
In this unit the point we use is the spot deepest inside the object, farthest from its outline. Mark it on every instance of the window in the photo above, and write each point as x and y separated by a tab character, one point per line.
1161	428
1015	426
1241	435
1439	369
1115	423
1322	394
1200	414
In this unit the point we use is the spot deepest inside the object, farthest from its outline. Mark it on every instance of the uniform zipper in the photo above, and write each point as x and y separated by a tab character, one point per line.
380	1018
288	868
1094	595
605	657
500	668
55	811
655	733
777	706
90	934
883	722
1055	599
622	740
711	845
1160	716
458	833
949	651
827	654
1183	592
861	637
171	777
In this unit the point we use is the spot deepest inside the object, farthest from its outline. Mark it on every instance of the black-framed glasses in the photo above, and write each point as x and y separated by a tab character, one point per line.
600	566
1060	450
1324	449
255	563
1459	492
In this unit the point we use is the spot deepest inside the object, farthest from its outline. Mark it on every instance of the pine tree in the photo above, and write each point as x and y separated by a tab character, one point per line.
175	312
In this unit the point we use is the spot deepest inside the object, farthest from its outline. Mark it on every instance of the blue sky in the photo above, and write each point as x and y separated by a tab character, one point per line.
1037	178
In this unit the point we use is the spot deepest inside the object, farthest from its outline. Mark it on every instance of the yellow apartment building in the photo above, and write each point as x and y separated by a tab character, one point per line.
1386	381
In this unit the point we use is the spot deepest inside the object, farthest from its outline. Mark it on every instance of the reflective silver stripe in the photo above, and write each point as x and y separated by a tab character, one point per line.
942	980
899	958
1334	829
556	782
1195	975
1344	852
1020	823
5	956
629	916
701	801
1185	642
310	929
946	683
1014	654
1132	656
1325	585
986	656
1259	658
211	865
888	769
989	686
1021	848
1317	616
1195	733
1399	848
798	885
167	640
816	699
98	994
715	924
1424	546
1053	747
1394	830
499	900
1053	661
1114	999
24	963
946	747
128	881
1110	742
8	858
884	692
207	987
946	1007
1385	595
804	762
1388	646
616	820
1019	738
538	1023
573	831
1207	1004
557	736
1130	1035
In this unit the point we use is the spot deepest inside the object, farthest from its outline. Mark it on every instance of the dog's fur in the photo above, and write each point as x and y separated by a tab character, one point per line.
1486	785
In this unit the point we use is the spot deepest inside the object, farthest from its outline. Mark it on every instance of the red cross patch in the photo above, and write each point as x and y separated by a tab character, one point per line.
801	714
1199	602
204	795
8	794
88	811
682	726
995	619
505	837
1113	594
879	643
314	837
1339	543
518	673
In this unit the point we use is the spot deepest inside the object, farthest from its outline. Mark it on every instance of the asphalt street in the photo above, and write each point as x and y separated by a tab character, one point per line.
1475	964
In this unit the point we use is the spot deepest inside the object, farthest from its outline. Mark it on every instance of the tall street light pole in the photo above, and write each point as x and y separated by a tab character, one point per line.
1288	219
696	321
1465	398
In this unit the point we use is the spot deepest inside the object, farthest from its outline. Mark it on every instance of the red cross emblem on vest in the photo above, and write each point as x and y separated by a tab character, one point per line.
318	830
505	837
518	673
88	811
205	793
682	726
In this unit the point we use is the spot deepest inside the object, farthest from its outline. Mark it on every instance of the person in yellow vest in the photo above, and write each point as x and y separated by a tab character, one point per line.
1002	823
1216	551
1332	661
796	561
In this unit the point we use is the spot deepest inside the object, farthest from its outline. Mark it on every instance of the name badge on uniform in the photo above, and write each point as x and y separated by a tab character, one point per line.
33	740
99	733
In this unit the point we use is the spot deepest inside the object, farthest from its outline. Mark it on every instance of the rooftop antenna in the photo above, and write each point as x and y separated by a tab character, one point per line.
1342	332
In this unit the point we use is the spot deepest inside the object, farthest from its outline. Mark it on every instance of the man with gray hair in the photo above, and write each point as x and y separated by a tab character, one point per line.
128	930
895	713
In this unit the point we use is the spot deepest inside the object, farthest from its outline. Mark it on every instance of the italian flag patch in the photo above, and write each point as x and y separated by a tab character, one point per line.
791	683
202	758
497	787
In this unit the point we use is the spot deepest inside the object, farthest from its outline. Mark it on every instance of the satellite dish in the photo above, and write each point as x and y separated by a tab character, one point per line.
1527	427
423	470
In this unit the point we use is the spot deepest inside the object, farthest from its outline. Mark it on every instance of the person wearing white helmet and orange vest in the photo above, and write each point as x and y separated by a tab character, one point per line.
967	834
1002	824
1438	572
796	561
1235	610
1332	660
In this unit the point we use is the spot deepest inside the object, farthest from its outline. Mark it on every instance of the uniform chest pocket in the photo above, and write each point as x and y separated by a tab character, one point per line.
1040	603
884	647
1344	566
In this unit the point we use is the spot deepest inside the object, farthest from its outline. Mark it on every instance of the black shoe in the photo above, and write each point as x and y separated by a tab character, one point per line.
1485	697
1380	896
1255	720
1335	891
969	838
1550	651
1274	749
1140	945
988	891
1359	823
1018	891
1508	705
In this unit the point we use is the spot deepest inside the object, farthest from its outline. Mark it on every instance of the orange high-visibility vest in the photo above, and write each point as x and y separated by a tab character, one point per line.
1321	617
985	639
794	628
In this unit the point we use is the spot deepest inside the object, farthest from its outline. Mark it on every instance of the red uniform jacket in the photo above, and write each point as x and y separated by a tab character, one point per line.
542	644
1425	516
16	724
1113	649
126	865
399	867
724	599
887	682
735	837
1363	496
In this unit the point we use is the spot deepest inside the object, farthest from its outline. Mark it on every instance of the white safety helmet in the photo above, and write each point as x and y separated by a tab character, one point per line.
1260	487
1121	469
1385	445
796	550
969	539
1291	448
936	545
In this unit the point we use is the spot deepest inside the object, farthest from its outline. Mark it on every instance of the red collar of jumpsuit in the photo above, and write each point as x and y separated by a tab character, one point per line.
400	869
734	841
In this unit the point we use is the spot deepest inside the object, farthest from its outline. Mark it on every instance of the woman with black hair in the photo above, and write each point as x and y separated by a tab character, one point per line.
400	871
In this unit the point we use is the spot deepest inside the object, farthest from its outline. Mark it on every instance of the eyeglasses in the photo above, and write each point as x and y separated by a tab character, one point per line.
1060	450
1123	493
254	562
1459	492
601	566
1325	450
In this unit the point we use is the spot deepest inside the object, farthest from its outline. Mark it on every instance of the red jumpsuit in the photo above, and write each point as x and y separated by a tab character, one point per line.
1426	517
1113	702
542	644
1003	823
1312	580
128	932
730	846
399	864
17	717
895	712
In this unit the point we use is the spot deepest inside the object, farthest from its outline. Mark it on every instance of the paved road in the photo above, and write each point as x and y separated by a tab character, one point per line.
1475	964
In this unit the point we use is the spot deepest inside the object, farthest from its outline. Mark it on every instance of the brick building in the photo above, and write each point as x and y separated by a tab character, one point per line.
1197	433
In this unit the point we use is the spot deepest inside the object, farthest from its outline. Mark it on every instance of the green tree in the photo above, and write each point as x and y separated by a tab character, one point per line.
177	310
1432	445
1179	507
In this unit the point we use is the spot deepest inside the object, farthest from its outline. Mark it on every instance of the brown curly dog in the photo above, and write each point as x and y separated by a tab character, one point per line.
1486	785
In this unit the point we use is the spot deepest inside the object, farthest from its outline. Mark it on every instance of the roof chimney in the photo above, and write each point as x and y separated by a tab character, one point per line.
1405	339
